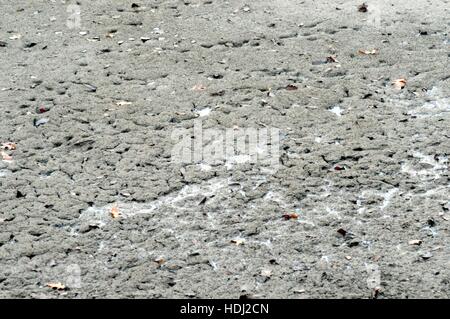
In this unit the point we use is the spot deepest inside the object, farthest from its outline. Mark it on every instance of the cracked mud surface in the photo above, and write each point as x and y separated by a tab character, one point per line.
363	165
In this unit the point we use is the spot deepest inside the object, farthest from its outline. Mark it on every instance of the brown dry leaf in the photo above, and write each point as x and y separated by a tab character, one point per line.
368	52
238	241
9	146
416	242
290	216
115	212
399	84
199	87
6	157
56	286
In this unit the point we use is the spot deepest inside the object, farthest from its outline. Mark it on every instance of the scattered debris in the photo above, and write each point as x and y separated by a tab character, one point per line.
199	87
348	257
15	37
29	44
238	241
42	109
6	157
290	216
376	292
363	7
145	39
291	87
56	286
219	93
159	260
90	87
426	255
416	242
115	212
204	112
266	273
353	243
3	44
331	59
40	122
336	110
9	146
299	291
342	231
368	52
123	103
399	84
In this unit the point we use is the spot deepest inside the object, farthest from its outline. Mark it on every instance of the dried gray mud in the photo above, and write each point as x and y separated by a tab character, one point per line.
355	153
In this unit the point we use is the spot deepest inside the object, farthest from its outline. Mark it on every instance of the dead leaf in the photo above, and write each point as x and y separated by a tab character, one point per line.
363	7
399	84
368	52
291	87
290	216
416	242
199	87
238	241
159	260
6	157
9	146
115	212
56	286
